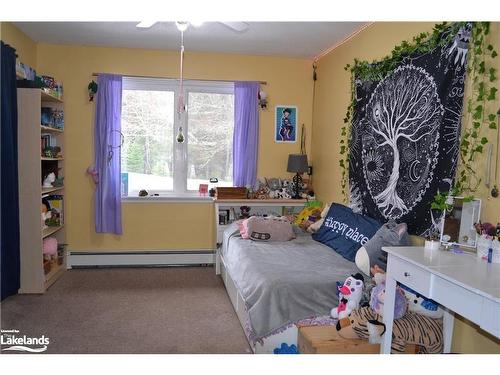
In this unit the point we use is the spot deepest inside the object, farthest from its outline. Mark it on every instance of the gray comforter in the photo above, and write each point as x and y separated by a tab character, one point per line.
283	282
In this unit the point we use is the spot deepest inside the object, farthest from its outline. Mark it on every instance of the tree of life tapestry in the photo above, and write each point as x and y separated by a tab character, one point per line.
405	135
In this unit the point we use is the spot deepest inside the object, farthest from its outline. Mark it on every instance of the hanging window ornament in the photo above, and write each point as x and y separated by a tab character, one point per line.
180	136
181	106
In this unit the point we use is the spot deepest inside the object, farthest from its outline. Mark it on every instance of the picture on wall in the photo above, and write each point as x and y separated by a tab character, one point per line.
285	124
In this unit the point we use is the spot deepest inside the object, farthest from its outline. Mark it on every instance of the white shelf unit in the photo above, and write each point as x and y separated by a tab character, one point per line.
30	163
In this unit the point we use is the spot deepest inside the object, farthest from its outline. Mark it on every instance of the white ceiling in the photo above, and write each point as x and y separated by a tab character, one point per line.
288	39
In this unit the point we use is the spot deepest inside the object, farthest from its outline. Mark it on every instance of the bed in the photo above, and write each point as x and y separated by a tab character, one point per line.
277	286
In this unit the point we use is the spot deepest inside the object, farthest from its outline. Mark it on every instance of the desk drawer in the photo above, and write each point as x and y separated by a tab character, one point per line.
410	275
458	299
490	317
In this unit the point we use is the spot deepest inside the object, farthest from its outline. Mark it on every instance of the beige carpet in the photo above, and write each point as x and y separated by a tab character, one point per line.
131	310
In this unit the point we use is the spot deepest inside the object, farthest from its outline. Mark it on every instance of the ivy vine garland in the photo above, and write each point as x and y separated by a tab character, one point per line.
480	82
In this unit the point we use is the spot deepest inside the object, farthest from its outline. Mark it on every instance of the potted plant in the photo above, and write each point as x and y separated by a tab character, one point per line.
442	204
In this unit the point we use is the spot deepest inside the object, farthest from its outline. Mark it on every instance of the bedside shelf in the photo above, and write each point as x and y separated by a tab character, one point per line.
51	230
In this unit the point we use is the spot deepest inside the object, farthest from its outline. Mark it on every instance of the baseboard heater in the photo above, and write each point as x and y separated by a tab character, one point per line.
140	258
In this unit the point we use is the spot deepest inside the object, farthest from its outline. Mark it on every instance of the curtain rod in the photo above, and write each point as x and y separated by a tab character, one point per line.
190	79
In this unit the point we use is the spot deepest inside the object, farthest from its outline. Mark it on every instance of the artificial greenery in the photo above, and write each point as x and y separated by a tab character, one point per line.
480	75
481	78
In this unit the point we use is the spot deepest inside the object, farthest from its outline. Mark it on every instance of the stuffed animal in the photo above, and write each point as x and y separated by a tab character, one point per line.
307	216
280	193
316	225
49	179
420	330
418	304
283	194
350	294
377	298
274	183
262	191
49	248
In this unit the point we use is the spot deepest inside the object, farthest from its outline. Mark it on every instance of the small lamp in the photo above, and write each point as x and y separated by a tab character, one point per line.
297	163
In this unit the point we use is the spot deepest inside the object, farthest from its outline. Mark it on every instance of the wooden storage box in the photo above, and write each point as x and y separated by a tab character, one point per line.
325	340
231	193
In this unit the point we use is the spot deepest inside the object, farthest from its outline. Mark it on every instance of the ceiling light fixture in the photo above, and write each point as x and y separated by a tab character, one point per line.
182	25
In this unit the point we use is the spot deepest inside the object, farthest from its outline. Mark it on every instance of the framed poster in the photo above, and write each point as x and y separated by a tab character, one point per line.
285	123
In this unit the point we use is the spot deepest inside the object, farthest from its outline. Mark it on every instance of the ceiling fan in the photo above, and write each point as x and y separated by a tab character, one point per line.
183	25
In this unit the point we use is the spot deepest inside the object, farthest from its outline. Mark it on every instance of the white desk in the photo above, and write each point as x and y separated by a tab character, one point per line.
461	283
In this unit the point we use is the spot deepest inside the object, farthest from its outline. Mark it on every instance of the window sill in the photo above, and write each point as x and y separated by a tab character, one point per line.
168	199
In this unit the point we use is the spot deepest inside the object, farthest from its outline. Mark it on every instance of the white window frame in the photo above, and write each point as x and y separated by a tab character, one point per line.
180	149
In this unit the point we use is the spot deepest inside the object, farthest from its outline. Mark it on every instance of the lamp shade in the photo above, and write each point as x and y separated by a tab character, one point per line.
297	163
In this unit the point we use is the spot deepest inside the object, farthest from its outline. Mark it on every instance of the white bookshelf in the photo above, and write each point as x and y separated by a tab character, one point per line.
33	277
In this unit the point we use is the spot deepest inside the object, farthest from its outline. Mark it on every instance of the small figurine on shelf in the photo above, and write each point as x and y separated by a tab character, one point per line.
46	213
244	212
49	179
59	182
203	190
51	151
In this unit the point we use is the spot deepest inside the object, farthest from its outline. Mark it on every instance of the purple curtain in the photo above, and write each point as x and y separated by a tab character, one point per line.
107	138
246	133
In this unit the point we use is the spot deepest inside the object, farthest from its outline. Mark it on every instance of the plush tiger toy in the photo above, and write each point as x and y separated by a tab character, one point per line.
412	328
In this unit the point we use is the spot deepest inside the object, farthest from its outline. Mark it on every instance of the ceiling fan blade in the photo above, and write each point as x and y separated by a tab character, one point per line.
145	24
237	26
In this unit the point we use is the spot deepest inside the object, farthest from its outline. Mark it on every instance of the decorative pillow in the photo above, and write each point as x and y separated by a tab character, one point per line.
371	254
345	231
266	229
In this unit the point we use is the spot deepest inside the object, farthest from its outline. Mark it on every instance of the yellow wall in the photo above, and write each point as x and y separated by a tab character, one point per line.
167	225
25	47
162	226
332	99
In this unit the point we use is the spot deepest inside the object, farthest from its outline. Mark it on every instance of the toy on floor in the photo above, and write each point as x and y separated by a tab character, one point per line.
350	294
286	349
364	323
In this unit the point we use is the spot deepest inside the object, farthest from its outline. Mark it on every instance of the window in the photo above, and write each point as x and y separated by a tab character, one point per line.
151	157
